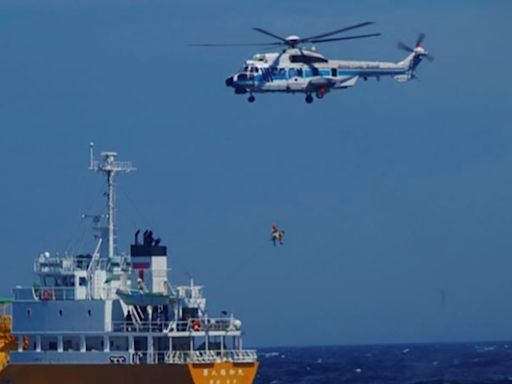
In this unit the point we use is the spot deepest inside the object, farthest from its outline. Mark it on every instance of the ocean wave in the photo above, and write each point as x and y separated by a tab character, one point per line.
482	363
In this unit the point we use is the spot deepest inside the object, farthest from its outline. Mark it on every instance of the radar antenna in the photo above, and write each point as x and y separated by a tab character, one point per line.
110	167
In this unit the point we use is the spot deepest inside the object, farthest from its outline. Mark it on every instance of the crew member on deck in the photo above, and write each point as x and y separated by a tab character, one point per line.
277	235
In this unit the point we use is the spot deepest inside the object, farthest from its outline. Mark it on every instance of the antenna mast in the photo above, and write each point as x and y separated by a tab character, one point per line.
110	167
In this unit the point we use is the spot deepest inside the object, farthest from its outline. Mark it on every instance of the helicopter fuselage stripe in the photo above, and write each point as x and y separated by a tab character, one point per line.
268	76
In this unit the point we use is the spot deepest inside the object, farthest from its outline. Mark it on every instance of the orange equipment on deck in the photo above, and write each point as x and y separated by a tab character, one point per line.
7	340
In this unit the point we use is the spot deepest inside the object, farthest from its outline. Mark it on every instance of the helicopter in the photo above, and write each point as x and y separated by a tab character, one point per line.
300	70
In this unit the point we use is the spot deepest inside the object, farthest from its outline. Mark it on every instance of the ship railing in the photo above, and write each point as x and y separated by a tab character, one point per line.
65	264
25	293
143	326
242	355
221	324
211	356
54	293
189	326
45	293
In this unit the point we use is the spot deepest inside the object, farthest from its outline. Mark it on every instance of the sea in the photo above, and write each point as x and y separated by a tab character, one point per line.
461	363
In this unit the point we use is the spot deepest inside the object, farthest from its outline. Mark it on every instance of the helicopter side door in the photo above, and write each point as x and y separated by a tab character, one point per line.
295	79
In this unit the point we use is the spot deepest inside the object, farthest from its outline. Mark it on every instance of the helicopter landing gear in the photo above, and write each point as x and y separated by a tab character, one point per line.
251	99
309	98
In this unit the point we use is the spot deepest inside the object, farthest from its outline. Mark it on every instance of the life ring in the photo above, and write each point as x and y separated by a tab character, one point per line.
46	294
196	326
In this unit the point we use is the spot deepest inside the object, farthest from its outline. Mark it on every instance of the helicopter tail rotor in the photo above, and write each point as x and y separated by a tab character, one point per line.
404	47
418	49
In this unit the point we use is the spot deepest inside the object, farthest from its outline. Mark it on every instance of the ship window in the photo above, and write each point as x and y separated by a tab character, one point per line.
161	343
49	343
60	312
119	343
31	343
94	343
141	343
71	343
334	72
29	312
189	313
49	281
82	281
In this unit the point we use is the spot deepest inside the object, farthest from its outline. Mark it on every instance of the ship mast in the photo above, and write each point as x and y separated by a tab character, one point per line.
110	167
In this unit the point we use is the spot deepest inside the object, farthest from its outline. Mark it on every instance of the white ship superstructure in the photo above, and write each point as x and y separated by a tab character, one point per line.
104	309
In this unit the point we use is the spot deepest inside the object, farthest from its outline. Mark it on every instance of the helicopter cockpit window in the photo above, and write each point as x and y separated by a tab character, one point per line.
250	69
305	59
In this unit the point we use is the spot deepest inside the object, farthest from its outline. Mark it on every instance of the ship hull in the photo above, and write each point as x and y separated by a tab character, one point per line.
217	373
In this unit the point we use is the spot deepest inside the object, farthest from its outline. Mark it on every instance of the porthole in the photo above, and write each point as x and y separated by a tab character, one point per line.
60	312
89	312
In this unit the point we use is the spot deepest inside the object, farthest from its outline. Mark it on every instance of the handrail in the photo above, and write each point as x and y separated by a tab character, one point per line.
46	293
211	356
221	324
66	264
190	326
55	293
143	326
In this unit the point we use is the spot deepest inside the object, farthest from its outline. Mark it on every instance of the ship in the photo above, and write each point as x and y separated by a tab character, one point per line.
114	317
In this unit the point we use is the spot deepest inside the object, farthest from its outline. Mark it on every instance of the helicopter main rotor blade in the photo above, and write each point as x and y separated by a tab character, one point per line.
306	39
261	30
236	45
294	42
343	38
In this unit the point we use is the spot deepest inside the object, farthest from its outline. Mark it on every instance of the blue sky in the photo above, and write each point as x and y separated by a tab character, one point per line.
390	194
